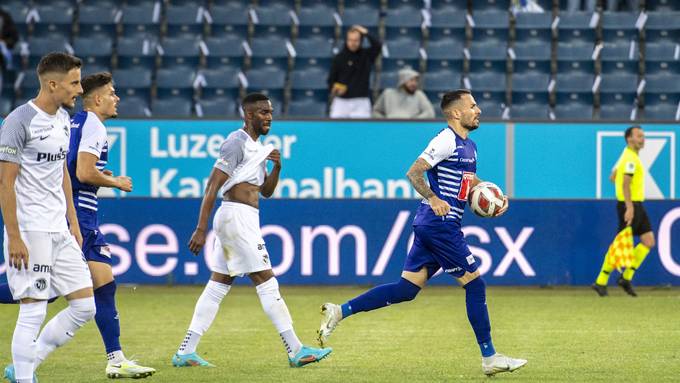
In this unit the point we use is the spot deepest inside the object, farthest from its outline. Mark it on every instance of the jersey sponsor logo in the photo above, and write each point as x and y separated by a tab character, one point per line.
42	138
453	270
37	268
49	157
465	185
470	259
8	150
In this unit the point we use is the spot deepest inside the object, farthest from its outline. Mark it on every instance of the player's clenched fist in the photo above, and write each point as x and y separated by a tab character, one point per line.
275	157
197	241
439	206
124	183
18	253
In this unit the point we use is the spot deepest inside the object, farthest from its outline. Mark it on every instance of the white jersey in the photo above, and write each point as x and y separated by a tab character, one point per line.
38	142
243	160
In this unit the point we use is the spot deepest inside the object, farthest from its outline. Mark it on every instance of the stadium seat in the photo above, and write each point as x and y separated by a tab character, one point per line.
662	5
619	27
97	20
363	3
40	46
441	81
532	56
361	15
623	57
662	106
19	11
574	106
661	58
487	81
307	108
309	79
388	79
141	19
662	26
54	21
171	107
439	5
87	70
491	26
491	104
217	107
575	57
272	20
487	57
133	82
229	19
400	52
136	51
266	78
224	51
662	83
490	5
315	51
180	51
95	50
317	20
533	26
403	21
444	54
133	106
5	105
270	51
529	110
448	23
617	111
220	83
576	27
569	82
530	82
175	82
27	84
185	19
619	83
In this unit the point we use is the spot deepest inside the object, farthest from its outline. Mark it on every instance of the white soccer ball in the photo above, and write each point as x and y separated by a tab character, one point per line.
486	199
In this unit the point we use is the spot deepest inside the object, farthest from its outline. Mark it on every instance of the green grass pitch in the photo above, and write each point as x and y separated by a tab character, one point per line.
568	335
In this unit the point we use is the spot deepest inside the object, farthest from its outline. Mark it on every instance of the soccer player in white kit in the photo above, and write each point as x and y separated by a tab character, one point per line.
43	253
241	175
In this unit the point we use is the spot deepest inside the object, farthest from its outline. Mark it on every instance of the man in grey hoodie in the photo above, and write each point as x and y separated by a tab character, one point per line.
404	101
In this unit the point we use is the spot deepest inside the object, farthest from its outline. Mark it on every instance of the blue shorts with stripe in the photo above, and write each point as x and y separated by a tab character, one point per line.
440	246
95	247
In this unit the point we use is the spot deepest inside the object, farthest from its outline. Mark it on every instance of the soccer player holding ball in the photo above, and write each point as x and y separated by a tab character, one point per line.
450	164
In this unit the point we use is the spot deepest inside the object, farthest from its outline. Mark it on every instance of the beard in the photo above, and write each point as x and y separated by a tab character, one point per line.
472	126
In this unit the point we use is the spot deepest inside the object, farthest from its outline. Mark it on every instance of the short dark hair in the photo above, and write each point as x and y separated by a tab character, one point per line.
450	97
95	81
58	62
629	132
252	98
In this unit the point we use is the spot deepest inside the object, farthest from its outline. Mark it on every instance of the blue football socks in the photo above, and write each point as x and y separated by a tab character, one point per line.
107	316
478	315
381	296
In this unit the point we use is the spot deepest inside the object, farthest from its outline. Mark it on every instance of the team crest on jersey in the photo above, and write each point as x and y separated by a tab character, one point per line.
41	284
67	131
265	259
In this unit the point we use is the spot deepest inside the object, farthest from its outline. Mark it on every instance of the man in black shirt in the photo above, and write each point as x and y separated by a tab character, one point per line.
348	79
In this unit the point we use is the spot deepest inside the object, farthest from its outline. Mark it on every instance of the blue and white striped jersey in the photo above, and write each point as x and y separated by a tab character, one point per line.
88	134
454	164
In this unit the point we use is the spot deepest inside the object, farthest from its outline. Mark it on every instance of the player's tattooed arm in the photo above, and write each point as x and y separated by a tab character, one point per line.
416	176
215	181
272	179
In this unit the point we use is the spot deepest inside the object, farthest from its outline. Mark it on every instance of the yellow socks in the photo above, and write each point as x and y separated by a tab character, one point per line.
603	277
640	252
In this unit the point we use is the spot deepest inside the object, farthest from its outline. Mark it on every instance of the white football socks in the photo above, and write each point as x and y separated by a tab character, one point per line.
115	357
61	328
31	316
204	314
277	311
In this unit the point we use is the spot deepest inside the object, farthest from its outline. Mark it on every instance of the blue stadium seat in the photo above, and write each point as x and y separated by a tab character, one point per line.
272	20
133	106
457	5
492	104
662	83
290	4
309	79
487	82
532	56
18	9
372	4
40	46
28	84
529	106
266	78
269	51
172	107
87	70
662	5
662	26
180	51
5	105
95	50
574	106
54	20
617	94
136	51
218	107
617	111
224	51
441	81
491	26
403	51
361	15
575	57
388	79
403	21
619	26
97	20
219	83
448	23
530	82
445	54
142	19
307	108
185	19
533	26
133	82
487	57
175	82
317	20
576	27
618	83
490	5
662	106
315	51
312	3
570	82
622	57
660	58
229	19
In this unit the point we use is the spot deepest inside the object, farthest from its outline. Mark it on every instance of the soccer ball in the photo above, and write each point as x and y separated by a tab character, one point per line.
486	199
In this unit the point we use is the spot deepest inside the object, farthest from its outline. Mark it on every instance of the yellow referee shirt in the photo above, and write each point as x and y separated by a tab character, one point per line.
629	163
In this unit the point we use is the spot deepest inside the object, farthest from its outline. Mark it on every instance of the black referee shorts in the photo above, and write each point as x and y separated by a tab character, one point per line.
640	224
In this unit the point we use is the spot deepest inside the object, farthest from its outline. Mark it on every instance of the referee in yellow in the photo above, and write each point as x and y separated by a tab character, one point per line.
628	175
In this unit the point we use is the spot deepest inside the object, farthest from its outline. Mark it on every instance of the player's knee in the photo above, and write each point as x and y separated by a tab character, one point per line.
407	289
475	285
83	309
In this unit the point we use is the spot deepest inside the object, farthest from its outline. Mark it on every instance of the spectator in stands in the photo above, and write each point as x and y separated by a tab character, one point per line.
8	37
608	5
404	101
348	79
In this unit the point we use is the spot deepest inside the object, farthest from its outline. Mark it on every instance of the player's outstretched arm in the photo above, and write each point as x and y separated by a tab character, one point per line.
215	181
417	178
87	172
71	215
18	253
272	179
